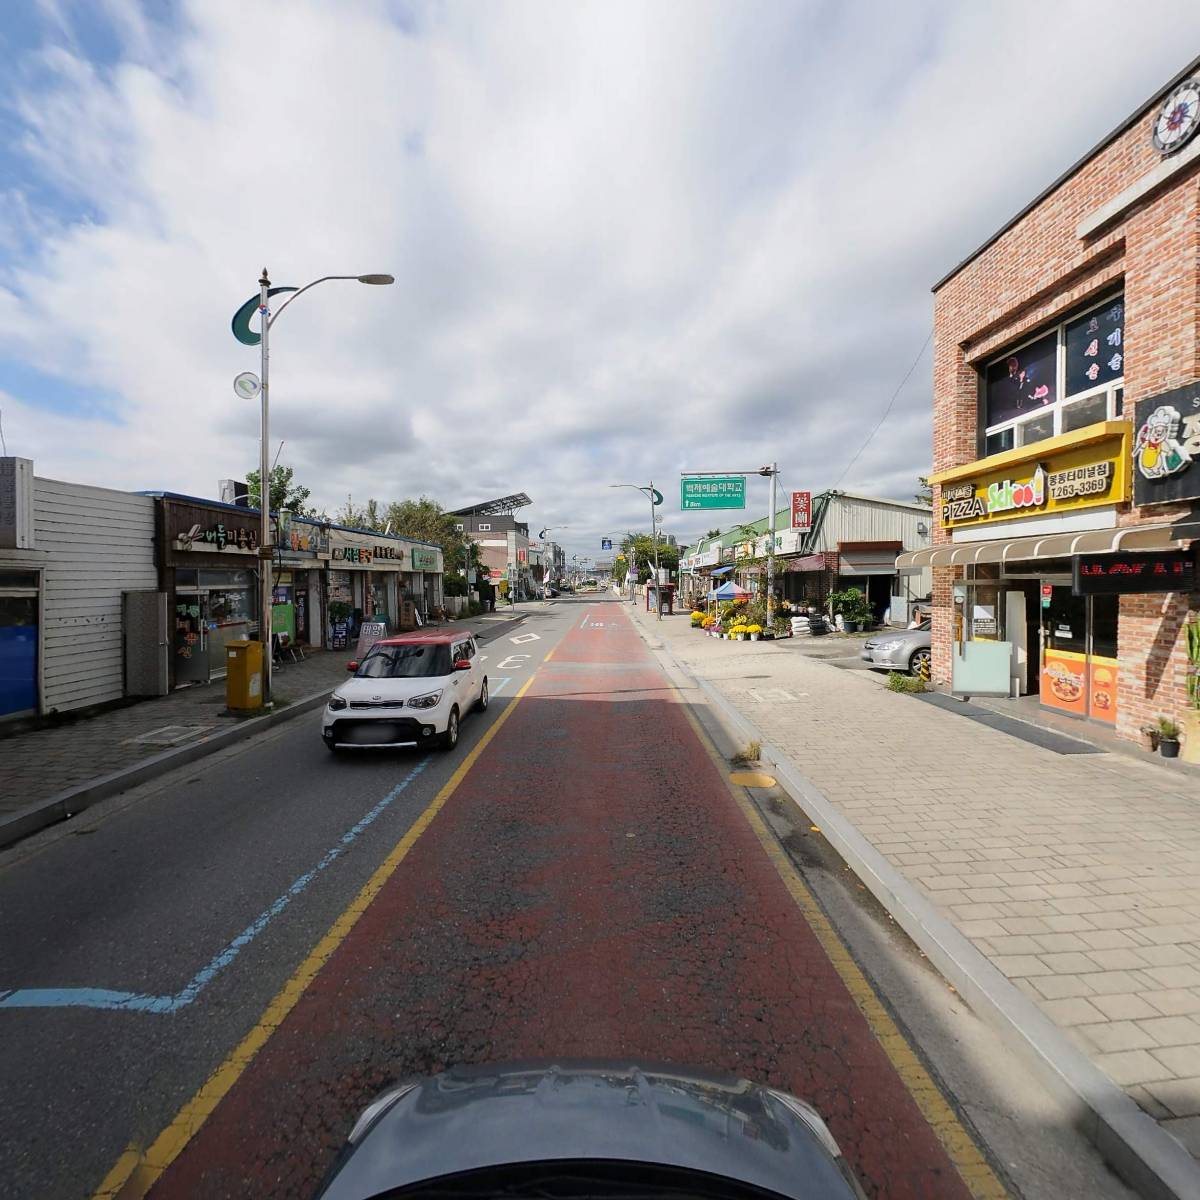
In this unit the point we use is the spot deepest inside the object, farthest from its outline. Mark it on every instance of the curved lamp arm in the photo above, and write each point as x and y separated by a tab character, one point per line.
376	279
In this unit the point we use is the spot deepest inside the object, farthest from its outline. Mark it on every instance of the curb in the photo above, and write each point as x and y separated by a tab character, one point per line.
53	809
1132	1142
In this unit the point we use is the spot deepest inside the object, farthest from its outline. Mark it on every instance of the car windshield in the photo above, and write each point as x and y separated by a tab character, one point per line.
925	626
405	662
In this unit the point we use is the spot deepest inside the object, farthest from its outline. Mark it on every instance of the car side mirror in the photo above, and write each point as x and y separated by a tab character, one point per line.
352	666
462	664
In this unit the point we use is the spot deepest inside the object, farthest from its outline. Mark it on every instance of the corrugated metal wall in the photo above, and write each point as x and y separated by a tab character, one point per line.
98	543
853	520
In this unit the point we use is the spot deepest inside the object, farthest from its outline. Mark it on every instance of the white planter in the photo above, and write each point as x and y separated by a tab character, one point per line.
754	637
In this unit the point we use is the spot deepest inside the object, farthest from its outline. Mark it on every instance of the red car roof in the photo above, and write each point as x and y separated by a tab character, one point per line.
437	636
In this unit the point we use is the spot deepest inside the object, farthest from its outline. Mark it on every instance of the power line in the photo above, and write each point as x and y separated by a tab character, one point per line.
886	411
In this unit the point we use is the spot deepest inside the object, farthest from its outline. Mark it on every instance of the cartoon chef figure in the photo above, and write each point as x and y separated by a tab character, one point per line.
1157	449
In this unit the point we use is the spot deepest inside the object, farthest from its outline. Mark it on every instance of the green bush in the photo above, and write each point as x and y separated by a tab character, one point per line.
909	684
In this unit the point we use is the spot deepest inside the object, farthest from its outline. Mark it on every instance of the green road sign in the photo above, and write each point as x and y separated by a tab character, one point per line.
713	491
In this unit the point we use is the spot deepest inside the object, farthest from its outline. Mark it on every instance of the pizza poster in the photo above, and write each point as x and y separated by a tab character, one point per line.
1064	682
1072	683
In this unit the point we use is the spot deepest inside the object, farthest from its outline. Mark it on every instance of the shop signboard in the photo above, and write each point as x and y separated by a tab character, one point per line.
1063	474
1166	446
802	510
341	633
424	559
712	491
368	634
1125	574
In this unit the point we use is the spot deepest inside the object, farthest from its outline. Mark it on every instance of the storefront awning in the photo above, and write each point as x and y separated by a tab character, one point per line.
1053	545
719	571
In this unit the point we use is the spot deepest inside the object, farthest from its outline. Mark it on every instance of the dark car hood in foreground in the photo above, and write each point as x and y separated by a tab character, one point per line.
472	1118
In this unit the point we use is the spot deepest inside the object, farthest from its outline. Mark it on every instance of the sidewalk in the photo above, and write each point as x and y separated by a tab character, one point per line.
1077	876
38	765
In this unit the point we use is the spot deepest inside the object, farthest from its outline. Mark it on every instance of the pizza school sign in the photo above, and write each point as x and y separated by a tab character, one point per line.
1075	471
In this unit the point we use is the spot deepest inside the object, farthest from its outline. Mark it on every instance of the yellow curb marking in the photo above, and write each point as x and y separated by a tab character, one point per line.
754	779
135	1173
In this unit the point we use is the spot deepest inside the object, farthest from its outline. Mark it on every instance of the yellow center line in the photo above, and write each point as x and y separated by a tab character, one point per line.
961	1148
136	1172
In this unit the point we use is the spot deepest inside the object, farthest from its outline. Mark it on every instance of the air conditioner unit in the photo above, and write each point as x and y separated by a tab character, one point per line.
234	491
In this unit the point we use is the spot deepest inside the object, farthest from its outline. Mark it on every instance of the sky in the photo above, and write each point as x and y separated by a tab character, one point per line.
629	239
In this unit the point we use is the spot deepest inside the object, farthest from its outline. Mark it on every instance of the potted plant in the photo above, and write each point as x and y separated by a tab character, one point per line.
754	631
1148	737
1168	738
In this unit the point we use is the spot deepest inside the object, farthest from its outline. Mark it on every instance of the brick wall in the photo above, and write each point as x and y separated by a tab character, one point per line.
1033	275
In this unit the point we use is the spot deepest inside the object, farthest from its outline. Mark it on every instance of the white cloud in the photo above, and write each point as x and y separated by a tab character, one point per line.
629	239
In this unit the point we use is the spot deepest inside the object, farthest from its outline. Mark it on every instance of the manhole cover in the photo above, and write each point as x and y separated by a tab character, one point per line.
168	735
754	779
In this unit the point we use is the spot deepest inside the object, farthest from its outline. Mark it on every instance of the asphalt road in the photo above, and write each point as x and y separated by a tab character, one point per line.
203	981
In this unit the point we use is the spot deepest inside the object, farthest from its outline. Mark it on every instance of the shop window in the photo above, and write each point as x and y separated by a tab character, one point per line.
1062	380
18	579
1104	626
484	529
1088	411
1037	430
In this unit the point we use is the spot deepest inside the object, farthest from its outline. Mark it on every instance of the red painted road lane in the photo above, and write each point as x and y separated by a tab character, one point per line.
591	890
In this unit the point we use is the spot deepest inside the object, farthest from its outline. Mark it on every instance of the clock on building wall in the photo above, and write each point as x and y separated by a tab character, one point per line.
1178	118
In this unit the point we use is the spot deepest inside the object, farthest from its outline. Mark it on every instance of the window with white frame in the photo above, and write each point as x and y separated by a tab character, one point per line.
1061	380
483	528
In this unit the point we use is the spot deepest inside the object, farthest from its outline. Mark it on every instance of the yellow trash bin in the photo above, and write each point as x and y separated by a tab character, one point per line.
243	675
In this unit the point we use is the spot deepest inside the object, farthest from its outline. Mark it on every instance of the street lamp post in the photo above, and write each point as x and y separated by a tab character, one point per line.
545	545
651	493
241	330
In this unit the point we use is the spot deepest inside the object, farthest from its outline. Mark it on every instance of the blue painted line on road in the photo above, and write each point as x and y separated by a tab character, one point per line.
497	686
139	1002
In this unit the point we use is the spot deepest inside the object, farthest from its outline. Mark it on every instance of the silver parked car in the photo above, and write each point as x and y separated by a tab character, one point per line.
900	650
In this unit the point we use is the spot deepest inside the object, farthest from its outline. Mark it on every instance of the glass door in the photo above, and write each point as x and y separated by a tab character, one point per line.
190	642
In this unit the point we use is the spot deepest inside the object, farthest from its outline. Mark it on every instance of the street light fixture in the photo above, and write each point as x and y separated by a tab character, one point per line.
244	334
655	497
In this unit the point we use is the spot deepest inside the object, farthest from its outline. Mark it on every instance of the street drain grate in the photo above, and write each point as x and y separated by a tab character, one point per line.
168	735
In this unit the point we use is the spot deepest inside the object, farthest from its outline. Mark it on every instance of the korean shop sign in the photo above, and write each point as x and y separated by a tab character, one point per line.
1166	447
423	559
1078	470
712	491
361	555
218	537
1121	573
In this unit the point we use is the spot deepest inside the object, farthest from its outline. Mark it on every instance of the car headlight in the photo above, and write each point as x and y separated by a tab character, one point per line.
893	645
426	701
336	702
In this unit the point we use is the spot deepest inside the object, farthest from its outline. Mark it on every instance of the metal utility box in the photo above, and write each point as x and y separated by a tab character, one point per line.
244	675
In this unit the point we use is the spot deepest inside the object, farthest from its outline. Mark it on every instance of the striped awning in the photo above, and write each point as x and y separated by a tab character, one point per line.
1053	545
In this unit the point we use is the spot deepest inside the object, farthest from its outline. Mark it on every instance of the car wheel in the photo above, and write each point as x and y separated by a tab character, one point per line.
332	748
920	664
450	737
482	703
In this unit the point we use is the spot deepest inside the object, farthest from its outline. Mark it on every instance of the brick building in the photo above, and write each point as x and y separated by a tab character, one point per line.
1066	447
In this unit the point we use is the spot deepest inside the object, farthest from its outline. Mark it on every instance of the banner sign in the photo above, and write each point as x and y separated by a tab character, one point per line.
802	510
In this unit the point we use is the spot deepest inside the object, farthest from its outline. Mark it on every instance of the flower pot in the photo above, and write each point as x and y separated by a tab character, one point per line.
1168	747
754	637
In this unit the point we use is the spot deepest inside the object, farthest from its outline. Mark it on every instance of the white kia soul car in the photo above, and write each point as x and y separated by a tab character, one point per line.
411	690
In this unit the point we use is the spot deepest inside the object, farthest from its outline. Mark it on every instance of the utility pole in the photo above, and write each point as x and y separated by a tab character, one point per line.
773	470
265	549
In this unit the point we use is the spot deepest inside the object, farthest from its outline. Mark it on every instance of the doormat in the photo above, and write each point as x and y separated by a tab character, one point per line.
1048	739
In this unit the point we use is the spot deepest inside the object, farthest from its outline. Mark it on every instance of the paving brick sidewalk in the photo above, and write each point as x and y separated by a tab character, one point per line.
1078	876
41	763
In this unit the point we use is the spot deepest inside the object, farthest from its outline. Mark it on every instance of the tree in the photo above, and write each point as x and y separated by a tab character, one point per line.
426	521
712	533
924	494
285	492
641	545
